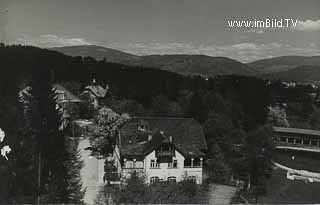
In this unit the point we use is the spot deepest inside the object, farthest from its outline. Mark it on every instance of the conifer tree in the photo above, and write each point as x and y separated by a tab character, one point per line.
45	122
73	164
58	159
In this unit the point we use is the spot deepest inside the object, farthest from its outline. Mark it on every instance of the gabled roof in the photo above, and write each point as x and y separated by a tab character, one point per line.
296	131
186	134
97	90
63	95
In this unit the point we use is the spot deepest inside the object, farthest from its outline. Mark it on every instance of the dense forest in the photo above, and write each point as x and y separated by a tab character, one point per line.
234	112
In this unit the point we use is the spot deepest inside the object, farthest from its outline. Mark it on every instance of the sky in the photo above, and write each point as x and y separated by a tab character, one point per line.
145	27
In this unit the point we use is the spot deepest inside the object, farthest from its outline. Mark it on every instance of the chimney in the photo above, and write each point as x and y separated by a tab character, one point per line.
149	137
170	139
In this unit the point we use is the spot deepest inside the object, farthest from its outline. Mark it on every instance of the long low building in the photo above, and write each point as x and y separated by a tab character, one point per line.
297	137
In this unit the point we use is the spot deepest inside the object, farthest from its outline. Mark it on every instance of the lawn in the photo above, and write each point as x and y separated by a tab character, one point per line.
302	160
280	190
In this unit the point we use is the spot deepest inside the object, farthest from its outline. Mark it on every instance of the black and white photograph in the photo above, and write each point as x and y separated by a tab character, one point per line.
159	102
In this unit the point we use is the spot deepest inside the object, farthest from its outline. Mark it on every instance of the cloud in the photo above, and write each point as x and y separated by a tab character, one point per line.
244	51
256	31
308	25
51	40
243	46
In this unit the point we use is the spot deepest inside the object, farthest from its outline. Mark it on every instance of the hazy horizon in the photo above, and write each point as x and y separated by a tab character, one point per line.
146	27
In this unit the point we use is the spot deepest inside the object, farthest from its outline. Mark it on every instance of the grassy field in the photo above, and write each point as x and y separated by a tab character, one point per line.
283	191
302	160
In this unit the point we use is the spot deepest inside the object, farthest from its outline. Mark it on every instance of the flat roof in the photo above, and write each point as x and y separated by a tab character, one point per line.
297	131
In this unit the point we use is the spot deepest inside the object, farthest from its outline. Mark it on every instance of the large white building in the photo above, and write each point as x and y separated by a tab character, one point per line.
159	149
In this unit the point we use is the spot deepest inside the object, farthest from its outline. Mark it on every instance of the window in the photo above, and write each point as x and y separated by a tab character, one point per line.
196	162
129	164
298	141
173	164
192	178
283	139
142	127
187	162
139	164
172	179
306	141
154	164
154	180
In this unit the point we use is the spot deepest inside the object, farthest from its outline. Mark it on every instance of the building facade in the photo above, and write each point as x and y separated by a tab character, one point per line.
64	99
160	150
297	137
95	92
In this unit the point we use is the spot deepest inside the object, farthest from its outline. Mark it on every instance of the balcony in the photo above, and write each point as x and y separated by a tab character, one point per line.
193	163
195	166
165	154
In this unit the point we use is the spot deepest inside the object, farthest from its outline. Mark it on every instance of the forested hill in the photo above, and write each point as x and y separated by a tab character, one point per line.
97	52
196	65
19	63
300	73
284	63
184	64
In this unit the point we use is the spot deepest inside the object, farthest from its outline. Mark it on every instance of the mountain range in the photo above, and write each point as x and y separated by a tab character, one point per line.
184	64
284	63
299	68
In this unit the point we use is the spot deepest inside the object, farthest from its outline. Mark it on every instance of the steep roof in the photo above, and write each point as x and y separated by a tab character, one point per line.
186	134
97	90
62	94
296	131
67	95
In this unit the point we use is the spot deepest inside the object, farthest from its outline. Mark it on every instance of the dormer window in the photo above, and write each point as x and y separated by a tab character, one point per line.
142	127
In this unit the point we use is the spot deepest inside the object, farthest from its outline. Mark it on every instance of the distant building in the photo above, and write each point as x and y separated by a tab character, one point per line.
64	95
95	92
63	99
160	149
297	137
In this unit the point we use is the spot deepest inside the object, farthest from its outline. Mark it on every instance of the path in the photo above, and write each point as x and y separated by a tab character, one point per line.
91	173
221	194
299	148
299	174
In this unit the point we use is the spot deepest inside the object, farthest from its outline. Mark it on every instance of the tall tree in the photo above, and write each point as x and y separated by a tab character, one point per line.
17	174
104	134
258	151
72	164
45	121
198	108
277	116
